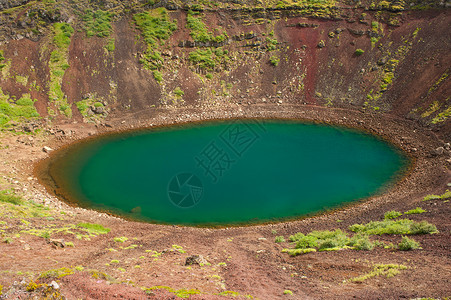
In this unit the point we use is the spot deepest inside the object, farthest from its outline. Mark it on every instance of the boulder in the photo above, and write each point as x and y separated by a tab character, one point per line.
195	259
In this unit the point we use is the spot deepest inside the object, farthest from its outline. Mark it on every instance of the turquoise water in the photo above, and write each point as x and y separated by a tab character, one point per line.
221	173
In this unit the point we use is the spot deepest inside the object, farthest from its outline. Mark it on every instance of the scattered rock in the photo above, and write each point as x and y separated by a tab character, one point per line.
47	149
57	243
439	151
195	259
447	146
382	61
55	285
99	110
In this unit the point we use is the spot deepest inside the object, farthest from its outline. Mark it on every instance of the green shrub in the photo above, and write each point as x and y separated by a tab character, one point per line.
408	244
388	270
417	210
158	76
178	92
280	239
63	33
359	52
111	46
403	226
199	31
274	60
392	215
361	242
287	292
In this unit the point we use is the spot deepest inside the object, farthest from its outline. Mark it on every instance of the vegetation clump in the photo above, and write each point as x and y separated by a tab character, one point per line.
444	196
58	65
327	241
208	59
199	31
19	110
97	23
392	215
403	226
359	52
387	270
94	228
417	210
156	27
407	244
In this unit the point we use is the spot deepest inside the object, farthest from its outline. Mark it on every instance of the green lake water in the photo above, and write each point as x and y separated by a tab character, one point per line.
224	173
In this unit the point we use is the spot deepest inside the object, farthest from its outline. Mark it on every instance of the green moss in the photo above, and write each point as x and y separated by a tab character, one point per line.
295	252
287	292
63	33
158	76
327	241
58	65
199	31
8	197
120	239
94	228
432	109
208	59
97	23
444	196
155	26
387	270
442	116
110	46
57	273
18	111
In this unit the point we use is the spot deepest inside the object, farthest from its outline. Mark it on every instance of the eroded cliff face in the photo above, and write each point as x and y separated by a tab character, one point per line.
92	61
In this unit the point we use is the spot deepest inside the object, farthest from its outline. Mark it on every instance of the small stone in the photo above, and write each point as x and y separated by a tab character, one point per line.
57	243
447	146
55	285
47	149
195	259
439	151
